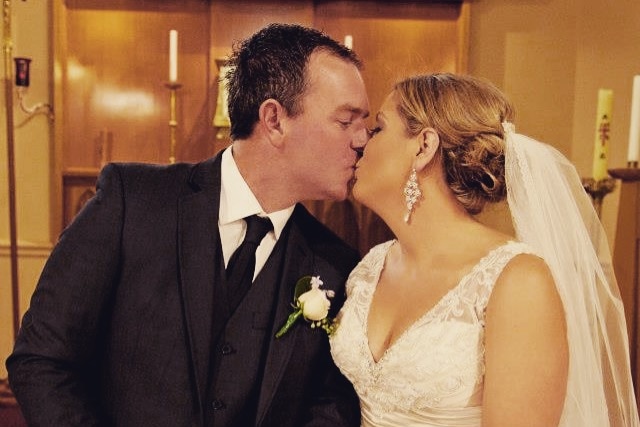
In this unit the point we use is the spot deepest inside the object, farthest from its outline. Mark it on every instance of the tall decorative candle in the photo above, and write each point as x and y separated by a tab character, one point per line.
173	56
348	41
634	127
603	134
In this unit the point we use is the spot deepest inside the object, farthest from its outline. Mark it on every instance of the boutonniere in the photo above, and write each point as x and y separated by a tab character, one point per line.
312	303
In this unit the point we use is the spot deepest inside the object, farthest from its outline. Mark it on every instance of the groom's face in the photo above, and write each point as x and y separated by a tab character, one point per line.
325	137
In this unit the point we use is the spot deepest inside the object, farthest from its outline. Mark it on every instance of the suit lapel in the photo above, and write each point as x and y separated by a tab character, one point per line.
197	251
297	263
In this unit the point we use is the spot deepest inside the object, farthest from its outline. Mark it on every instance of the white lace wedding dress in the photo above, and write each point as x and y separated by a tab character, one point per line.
433	374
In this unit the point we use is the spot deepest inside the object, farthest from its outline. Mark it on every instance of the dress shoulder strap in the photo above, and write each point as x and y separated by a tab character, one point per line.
368	269
484	276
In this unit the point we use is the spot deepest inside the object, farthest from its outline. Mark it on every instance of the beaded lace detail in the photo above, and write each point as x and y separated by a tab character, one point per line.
438	362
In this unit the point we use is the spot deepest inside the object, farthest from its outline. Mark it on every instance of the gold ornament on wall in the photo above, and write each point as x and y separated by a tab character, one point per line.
221	118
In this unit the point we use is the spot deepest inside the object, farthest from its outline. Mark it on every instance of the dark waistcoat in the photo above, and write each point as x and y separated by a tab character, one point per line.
240	341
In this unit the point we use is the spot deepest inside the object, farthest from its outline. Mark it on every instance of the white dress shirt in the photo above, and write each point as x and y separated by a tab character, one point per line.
237	201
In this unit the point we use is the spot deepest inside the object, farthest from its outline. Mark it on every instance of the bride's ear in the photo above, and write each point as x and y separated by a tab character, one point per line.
429	143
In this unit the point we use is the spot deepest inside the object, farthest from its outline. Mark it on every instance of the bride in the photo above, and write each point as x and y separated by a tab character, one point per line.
454	323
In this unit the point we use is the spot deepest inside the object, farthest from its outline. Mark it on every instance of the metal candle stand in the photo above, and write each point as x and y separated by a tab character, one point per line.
173	121
597	190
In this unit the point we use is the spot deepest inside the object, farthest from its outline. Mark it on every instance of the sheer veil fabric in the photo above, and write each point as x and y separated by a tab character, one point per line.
552	213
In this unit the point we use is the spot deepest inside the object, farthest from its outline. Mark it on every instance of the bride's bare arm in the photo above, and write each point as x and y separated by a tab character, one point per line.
526	352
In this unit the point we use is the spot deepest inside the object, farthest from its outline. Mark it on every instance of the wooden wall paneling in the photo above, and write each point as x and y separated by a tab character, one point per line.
79	186
111	64
395	41
463	22
116	68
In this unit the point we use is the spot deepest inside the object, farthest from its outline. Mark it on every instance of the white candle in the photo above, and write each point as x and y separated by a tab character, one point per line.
173	56
634	127
603	134
348	41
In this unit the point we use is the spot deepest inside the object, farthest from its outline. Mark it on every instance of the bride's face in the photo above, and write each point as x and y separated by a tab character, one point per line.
382	171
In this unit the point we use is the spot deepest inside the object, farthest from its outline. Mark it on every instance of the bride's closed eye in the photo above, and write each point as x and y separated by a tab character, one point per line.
371	132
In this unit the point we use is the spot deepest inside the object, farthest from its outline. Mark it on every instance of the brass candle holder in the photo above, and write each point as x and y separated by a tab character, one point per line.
173	121
598	189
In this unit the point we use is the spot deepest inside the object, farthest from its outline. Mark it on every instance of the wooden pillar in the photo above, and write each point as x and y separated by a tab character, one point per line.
626	259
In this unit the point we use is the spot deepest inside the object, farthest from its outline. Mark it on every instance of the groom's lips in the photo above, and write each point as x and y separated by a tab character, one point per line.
354	178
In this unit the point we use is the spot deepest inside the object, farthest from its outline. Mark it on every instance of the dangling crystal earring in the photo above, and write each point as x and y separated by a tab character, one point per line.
411	193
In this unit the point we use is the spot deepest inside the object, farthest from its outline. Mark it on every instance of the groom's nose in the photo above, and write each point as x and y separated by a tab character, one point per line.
359	140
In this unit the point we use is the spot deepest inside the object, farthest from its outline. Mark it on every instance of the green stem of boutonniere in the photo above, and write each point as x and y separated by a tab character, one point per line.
290	321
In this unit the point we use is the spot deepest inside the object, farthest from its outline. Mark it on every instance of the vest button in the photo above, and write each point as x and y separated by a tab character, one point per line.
217	405
227	349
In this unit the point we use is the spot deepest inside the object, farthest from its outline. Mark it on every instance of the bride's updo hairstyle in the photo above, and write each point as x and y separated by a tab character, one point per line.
467	113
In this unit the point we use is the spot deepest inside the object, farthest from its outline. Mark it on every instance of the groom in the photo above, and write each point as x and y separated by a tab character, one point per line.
133	321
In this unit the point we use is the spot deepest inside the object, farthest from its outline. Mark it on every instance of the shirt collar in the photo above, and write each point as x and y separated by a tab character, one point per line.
237	201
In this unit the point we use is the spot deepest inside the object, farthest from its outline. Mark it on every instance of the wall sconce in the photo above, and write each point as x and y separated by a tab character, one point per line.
22	83
221	117
22	71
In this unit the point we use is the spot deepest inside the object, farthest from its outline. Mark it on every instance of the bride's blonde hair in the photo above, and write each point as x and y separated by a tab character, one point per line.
467	113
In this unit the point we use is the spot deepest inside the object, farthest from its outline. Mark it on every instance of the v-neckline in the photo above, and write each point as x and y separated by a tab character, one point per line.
429	312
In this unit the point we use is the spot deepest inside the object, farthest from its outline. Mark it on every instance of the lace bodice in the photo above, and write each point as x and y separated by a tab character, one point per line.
433	374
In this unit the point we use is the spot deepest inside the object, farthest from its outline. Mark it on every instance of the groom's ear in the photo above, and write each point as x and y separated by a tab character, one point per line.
270	115
429	144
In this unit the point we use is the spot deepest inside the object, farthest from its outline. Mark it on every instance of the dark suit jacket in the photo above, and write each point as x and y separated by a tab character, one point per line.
119	328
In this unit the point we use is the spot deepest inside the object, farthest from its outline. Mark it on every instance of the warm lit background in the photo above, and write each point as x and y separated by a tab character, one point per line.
103	65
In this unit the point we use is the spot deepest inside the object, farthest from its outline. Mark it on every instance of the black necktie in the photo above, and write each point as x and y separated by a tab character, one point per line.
242	263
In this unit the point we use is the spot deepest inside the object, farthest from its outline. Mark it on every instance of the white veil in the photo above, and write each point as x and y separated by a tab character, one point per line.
552	213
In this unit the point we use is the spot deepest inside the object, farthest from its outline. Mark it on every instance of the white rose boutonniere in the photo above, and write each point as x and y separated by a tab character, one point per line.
312	303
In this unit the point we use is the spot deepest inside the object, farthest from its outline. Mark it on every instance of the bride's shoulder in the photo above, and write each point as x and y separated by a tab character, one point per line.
377	254
526	278
522	260
368	269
